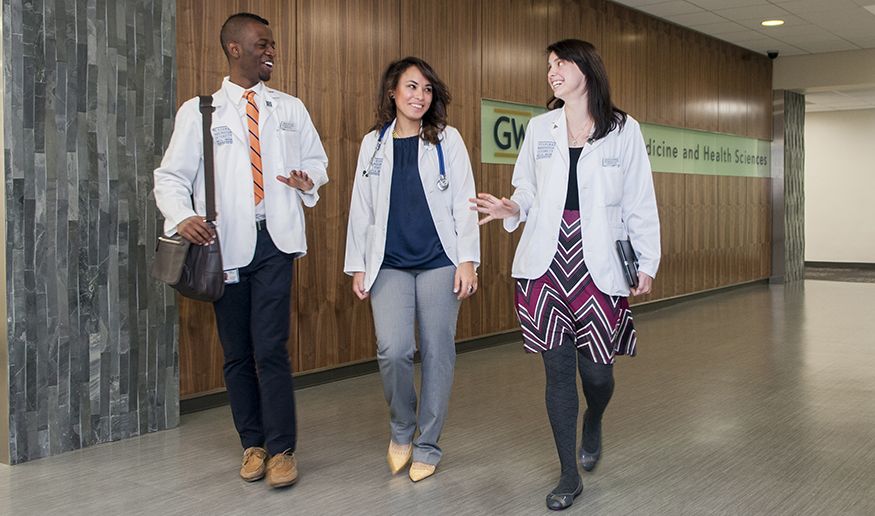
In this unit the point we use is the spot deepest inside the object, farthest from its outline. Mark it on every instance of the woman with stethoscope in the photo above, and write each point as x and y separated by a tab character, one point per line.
583	182
413	246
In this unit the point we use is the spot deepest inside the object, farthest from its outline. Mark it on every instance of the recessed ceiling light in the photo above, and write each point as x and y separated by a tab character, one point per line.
772	23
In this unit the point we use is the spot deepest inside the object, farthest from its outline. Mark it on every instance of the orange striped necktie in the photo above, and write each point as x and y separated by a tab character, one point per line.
254	145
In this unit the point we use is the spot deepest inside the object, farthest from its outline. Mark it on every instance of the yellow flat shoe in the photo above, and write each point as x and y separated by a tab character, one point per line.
421	470
398	456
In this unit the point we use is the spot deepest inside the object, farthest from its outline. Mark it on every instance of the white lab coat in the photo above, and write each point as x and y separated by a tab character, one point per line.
369	208
615	188
288	140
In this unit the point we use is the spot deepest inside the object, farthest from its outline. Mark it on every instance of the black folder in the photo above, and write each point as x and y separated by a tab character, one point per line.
629	262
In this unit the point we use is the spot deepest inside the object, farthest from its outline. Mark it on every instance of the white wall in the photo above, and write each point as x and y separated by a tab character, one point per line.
840	186
831	70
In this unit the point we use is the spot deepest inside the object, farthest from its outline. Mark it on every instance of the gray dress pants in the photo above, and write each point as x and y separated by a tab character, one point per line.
398	299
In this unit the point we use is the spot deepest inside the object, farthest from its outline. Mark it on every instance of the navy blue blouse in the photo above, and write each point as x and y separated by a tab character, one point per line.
412	240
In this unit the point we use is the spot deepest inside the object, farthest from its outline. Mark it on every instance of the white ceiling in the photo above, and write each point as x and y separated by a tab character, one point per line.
811	27
839	100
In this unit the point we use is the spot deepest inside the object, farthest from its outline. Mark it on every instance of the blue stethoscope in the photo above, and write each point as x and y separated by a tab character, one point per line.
442	182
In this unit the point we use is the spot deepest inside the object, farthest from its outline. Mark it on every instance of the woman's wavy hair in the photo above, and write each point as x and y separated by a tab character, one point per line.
605	114
435	119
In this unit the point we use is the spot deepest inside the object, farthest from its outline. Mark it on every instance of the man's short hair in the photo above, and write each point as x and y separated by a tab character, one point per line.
234	25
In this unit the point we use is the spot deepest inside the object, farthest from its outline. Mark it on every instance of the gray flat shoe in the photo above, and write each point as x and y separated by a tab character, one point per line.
588	460
561	501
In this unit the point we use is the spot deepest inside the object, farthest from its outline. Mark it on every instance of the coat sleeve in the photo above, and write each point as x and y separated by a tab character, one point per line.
640	213
524	182
361	215
464	218
175	177
314	161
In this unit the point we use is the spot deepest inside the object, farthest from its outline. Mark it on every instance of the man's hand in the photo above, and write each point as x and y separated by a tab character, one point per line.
297	179
196	230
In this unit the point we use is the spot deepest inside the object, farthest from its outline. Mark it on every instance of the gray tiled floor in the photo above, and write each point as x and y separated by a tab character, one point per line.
755	401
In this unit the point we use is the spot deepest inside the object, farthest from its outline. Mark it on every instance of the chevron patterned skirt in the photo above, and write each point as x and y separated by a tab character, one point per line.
565	303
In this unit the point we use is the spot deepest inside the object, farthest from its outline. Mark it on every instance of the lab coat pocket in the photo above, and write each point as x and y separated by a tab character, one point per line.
612	179
543	167
291	145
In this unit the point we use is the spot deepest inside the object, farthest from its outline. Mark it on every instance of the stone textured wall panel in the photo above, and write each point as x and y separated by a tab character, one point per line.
89	102
794	186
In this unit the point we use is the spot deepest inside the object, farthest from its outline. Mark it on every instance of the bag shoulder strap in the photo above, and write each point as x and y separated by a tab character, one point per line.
209	171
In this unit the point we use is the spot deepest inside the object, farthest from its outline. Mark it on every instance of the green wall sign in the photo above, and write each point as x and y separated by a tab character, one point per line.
502	129
685	151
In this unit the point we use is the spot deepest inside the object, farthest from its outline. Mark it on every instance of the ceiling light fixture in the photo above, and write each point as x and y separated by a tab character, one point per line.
772	23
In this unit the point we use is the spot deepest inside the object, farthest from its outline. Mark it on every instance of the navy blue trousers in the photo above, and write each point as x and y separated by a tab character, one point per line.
253	321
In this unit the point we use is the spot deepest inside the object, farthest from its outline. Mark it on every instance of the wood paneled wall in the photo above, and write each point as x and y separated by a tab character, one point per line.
339	87
715	230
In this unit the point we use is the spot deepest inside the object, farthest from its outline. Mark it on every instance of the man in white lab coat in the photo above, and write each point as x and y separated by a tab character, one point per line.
269	163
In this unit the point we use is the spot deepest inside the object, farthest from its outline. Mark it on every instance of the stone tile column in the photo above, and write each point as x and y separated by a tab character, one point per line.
90	351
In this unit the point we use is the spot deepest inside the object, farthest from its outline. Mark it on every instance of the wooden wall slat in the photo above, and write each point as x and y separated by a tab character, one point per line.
513	69
625	44
702	82
201	63
343	48
666	71
764	227
579	19
760	95
733	104
748	239
514	38
727	202
715	231
453	50
671	202
701	230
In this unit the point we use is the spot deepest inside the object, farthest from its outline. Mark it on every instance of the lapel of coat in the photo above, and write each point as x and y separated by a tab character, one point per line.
559	133
590	147
268	107
426	149
387	151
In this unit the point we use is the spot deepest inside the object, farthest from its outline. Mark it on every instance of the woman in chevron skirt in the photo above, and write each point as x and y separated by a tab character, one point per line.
582	182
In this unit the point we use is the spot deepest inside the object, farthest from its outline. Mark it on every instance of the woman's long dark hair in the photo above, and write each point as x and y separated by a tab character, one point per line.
605	114
435	119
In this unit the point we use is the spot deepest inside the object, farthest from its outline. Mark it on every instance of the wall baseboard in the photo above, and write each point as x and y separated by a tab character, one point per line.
219	398
842	265
313	378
